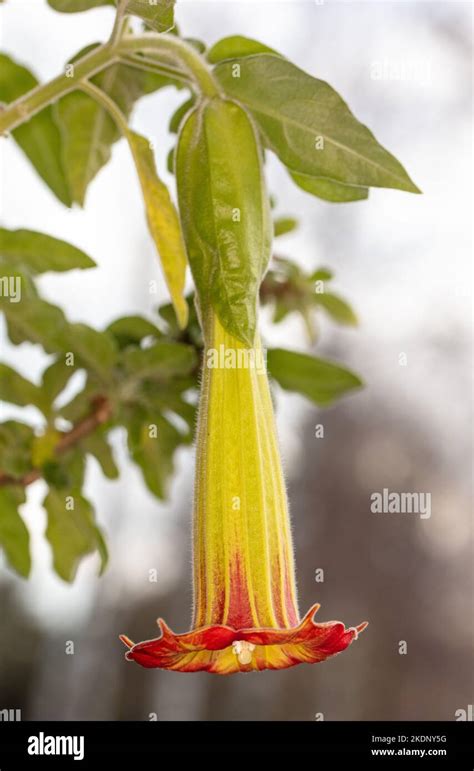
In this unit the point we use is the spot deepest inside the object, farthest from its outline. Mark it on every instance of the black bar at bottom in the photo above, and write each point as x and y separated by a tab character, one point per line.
86	744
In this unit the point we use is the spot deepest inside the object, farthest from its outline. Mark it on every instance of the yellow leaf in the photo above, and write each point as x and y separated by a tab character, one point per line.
163	222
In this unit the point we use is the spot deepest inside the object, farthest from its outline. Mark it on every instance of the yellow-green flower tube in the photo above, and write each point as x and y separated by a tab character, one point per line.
243	555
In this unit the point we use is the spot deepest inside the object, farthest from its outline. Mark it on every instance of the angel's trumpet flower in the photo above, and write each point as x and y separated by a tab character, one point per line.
245	607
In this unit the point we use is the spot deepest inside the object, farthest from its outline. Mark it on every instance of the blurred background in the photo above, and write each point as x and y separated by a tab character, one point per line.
404	263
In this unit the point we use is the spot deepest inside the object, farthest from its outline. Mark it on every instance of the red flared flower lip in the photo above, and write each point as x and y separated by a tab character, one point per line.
212	648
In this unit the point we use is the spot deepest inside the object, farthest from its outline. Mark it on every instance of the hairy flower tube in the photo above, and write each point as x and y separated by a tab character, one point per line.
245	606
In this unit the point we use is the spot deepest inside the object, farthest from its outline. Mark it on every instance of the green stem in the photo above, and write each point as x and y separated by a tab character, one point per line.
169	49
24	108
109	104
165	50
119	23
151	65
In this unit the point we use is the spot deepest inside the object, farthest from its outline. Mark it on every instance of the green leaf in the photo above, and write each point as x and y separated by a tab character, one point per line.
319	380
102	550
158	15
55	378
329	190
161	361
193	332
15	447
199	45
41	322
284	225
96	444
72	533
237	46
163	222
88	134
224	212
55	475
14	536
16	389
178	115
39	138
307	124
131	330
96	350
152	441
321	274
186	411
163	399
290	289
88	130
38	322
337	308
170	160
281	311
73	6
66	472
40	252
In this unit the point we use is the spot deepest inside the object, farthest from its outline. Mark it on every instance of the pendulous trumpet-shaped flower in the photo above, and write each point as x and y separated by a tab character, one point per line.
245	606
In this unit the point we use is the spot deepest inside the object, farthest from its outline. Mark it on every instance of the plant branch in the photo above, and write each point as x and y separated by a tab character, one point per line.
101	413
22	109
176	56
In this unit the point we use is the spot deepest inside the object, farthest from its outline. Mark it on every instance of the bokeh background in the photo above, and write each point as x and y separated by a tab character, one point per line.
404	262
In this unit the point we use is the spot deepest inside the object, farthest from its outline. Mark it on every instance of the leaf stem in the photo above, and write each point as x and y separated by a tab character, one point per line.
105	101
169	49
119	23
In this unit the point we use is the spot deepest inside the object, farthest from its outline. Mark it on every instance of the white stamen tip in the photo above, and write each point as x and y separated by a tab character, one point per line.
243	651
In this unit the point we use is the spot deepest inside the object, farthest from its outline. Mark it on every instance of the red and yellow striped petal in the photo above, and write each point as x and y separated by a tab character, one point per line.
218	649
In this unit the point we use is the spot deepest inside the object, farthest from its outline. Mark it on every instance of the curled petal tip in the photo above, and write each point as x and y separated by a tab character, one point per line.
164	628
358	629
312	611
